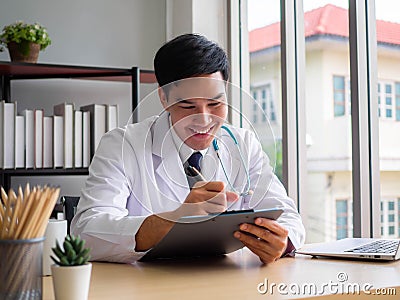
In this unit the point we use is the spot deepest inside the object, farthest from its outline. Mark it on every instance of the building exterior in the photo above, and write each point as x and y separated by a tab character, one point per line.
327	211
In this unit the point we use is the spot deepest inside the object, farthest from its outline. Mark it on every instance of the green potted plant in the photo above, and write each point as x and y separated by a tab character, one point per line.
72	269
24	41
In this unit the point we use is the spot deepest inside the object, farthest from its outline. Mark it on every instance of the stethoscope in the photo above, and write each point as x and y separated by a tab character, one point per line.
247	190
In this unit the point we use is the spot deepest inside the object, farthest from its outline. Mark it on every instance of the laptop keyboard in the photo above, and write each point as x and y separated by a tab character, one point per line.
381	246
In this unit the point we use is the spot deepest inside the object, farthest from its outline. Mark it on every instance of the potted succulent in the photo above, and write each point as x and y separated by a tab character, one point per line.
71	271
24	41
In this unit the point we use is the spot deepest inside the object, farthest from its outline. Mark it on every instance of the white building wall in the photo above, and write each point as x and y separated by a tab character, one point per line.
390	184
329	156
314	209
331	136
390	147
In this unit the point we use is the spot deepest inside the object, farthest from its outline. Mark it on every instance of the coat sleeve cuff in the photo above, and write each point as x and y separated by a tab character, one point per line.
290	249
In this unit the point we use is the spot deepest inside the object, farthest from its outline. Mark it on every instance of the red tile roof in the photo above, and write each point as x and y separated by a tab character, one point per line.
327	20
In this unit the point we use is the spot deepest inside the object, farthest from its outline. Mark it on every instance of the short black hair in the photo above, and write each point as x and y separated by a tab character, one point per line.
189	55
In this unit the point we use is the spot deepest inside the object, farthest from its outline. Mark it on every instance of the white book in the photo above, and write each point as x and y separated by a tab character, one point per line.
38	140
58	141
112	116
97	124
29	138
78	139
47	142
9	115
19	142
85	139
66	110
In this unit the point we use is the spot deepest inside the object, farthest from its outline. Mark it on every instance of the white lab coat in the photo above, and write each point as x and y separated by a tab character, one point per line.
137	171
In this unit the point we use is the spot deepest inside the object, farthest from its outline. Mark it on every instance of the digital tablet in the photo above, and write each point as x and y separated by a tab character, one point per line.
207	235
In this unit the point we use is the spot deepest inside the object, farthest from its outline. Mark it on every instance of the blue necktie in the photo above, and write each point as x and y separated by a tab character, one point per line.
194	160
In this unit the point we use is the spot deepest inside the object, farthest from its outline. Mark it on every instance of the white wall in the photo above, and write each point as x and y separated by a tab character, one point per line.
206	17
331	136
389	146
118	33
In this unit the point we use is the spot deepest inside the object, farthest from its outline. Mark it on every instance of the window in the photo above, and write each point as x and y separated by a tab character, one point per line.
389	108
264	108
389	125
328	158
390	217
328	125
379	100
341	219
339	96
397	92
388	101
255	96
398	214
272	110
388	91
265	75
267	111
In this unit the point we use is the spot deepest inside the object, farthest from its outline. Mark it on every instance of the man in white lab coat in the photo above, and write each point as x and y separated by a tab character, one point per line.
138	185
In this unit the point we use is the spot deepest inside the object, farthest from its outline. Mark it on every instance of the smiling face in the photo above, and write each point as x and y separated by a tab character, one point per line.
198	108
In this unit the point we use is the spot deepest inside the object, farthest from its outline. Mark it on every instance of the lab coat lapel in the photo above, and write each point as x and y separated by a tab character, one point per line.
169	172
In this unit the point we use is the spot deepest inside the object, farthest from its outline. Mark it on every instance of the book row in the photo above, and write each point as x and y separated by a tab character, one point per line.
67	139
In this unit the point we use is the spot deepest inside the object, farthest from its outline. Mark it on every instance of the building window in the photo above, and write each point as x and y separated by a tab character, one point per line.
267	111
339	96
254	119
398	215
342	219
389	100
379	101
264	108
390	218
272	108
397	92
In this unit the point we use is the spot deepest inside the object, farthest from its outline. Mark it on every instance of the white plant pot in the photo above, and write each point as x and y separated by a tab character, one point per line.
71	283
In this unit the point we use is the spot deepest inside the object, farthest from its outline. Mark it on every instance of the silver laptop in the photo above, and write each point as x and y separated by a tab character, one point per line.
356	248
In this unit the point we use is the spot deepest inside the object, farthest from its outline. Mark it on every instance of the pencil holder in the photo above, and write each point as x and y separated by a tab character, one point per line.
21	269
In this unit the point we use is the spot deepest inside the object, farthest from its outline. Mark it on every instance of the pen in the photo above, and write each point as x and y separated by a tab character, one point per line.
195	172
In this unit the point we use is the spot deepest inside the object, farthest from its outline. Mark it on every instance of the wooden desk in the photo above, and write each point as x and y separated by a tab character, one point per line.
235	276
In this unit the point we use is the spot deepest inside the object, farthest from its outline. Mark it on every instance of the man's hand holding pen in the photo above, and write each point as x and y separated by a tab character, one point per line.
206	197
266	238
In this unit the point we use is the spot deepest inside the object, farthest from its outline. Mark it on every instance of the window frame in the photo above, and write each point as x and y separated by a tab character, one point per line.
364	114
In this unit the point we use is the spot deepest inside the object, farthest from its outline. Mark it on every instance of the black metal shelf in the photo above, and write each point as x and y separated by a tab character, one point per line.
7	174
44	172
26	71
